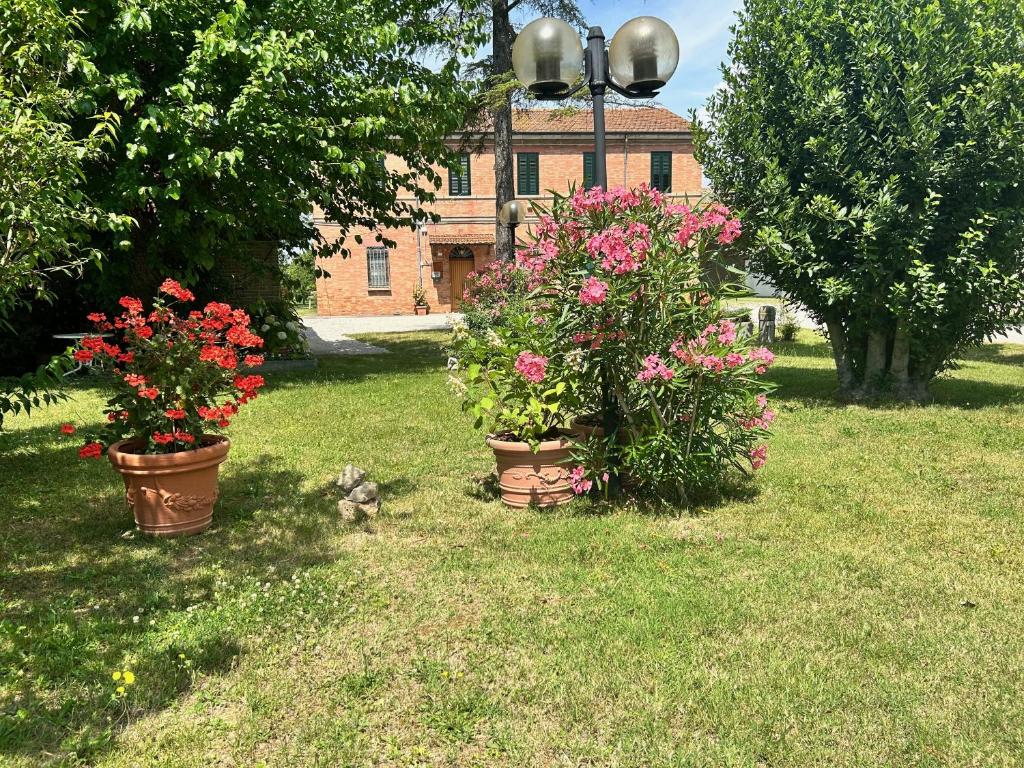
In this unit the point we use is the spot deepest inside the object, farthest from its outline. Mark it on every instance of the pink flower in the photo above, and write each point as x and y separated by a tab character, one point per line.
763	357
726	332
578	481
593	291
730	231
654	368
758	456
713	363
734	360
531	367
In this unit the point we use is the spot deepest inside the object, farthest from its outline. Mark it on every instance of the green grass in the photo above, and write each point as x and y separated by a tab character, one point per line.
861	604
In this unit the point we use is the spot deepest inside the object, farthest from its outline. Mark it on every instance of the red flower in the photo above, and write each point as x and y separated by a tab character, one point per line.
130	303
96	317
162	439
93	343
175	413
135	379
223	423
90	451
253	361
126	357
67	429
173	288
183	437
249	384
82	355
144	332
149	393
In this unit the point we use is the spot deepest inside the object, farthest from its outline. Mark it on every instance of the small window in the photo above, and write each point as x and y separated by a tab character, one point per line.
458	181
378	270
588	170
661	171
528	167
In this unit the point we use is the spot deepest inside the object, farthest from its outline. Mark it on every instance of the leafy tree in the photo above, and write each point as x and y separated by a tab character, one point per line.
876	151
44	215
238	119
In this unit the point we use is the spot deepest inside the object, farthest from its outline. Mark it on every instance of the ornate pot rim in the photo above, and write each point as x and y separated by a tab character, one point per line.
214	452
516	446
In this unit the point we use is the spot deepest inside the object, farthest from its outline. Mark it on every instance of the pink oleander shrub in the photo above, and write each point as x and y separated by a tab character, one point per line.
619	281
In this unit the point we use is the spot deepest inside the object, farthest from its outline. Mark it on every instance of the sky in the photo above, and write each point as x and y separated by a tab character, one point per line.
702	27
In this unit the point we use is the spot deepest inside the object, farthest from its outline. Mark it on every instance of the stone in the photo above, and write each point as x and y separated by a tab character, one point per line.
354	512
351	477
363	493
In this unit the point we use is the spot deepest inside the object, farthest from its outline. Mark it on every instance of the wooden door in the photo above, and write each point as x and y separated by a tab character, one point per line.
459	269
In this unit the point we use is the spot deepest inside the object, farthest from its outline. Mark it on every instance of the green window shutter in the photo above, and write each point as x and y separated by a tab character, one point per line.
661	171
588	170
528	173
458	181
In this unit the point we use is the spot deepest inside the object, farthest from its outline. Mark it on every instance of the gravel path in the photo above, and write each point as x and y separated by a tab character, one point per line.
333	335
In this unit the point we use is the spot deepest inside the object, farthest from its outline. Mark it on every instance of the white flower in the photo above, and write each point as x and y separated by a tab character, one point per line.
493	339
453	363
574	359
291	326
265	328
282	335
457	385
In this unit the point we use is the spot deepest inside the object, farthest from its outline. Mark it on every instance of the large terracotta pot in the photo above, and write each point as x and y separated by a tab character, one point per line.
525	477
171	494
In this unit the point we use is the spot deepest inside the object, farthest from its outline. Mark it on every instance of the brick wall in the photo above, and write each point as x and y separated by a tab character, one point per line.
343	290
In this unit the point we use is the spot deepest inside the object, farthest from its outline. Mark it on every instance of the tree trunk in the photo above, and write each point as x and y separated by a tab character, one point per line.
502	37
837	338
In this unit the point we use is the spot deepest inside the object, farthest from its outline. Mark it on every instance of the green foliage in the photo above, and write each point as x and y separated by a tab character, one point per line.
278	324
876	151
32	390
44	213
240	120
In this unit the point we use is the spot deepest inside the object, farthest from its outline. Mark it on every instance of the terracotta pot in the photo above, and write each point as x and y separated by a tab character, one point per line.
525	477
171	494
422	309
585	431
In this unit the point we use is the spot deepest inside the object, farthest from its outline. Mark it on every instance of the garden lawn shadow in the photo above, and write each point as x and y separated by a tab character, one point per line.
83	595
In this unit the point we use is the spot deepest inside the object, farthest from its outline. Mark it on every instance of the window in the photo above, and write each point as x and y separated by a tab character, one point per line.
528	167
378	270
458	181
588	170
661	171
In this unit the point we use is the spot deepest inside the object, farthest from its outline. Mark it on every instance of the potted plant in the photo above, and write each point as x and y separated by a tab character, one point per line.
514	389
419	300
176	384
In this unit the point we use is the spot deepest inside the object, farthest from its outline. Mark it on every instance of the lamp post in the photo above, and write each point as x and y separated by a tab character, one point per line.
547	58
511	215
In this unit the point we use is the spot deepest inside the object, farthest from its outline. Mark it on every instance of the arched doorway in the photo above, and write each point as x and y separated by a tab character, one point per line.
460	264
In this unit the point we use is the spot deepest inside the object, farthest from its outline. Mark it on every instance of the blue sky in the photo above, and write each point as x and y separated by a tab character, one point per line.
702	27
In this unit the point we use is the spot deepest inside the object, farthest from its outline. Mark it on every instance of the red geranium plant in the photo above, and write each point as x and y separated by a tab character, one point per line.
176	375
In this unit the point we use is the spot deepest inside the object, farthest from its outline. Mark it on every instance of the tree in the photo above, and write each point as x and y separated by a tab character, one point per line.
502	86
876	150
238	119
45	217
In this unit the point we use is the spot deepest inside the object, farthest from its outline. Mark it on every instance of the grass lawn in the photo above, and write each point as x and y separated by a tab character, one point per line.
861	603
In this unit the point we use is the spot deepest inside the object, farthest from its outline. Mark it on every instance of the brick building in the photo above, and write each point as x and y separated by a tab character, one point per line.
551	151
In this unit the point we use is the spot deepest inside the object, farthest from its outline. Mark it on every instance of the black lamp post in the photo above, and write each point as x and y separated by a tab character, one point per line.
547	58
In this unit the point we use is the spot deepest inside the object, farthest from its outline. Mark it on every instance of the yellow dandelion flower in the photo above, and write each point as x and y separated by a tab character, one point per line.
120	689
116	676
129	677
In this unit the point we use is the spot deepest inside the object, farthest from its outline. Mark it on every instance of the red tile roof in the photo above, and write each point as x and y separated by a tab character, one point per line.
616	119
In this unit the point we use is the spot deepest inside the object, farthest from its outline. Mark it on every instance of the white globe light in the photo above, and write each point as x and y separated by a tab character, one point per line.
643	55
512	213
547	56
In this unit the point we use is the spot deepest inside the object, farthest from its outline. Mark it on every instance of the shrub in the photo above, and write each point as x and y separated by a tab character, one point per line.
280	327
175	377
620	285
632	337
494	295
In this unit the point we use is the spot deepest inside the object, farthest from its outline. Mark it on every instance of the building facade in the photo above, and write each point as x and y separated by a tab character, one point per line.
551	153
